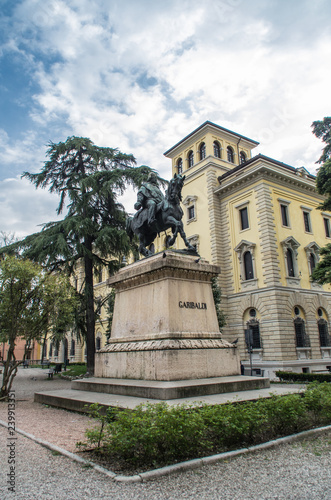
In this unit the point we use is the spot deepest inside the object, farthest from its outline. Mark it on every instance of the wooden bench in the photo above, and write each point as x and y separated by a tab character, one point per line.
50	373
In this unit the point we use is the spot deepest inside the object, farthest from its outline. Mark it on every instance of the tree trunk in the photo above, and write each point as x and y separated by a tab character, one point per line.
90	318
9	371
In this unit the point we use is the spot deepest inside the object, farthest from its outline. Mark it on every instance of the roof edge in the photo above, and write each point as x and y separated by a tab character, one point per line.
266	158
213	125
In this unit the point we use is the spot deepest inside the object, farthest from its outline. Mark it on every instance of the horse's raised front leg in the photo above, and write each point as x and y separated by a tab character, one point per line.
181	231
142	248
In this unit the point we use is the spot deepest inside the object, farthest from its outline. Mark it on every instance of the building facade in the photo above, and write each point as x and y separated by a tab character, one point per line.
258	219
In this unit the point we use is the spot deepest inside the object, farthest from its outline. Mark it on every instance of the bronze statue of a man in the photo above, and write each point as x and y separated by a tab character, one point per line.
149	196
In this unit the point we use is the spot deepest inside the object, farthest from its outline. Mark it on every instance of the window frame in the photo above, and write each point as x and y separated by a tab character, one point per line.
291	244
217	147
179	166
254	325
284	212
304	340
190	159
202	151
312	250
307	223
326	340
243	247
230	154
327	228
242	157
248	265
189	202
284	215
244	221
190	212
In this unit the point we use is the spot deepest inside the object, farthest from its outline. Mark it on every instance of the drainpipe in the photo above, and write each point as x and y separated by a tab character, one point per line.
238	150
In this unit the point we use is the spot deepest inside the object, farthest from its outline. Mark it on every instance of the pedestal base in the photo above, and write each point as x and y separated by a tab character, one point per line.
172	359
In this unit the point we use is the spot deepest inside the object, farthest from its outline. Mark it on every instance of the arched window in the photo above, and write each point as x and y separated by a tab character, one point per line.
248	265
217	149
323	331
290	263
50	354
313	256
190	158
312	262
301	338
202	151
230	154
254	325
98	344
72	348
56	350
242	157
179	166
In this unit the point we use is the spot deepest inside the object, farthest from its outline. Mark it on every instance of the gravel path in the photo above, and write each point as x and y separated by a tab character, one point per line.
301	470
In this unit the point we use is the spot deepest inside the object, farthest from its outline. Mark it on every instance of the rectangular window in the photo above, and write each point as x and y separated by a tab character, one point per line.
244	218
191	212
327	227
284	212
306	219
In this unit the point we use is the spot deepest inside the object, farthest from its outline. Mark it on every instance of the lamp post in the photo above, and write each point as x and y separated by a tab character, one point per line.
249	344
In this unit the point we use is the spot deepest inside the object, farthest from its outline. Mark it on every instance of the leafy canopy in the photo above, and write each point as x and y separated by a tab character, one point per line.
90	179
322	130
33	302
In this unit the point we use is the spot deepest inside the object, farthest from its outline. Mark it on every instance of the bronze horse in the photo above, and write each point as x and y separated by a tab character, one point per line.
169	214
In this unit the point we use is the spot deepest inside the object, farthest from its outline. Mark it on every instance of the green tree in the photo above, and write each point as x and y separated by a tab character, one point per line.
322	130
93	230
217	294
32	303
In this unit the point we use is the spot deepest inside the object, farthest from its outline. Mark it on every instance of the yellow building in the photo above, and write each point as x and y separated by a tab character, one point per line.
72	348
257	218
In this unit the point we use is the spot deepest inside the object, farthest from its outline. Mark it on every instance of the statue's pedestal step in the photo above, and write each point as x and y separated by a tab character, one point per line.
175	389
129	393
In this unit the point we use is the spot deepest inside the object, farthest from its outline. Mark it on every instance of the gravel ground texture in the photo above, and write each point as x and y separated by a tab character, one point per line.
299	470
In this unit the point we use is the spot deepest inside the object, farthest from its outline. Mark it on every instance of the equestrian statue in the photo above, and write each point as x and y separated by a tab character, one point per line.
156	213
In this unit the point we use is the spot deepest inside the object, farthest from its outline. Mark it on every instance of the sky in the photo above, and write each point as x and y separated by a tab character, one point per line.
139	75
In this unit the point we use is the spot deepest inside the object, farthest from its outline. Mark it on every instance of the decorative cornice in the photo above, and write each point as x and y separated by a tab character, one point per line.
169	344
263	169
167	265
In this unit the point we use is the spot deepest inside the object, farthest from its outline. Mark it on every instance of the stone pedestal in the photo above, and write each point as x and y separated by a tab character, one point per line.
165	325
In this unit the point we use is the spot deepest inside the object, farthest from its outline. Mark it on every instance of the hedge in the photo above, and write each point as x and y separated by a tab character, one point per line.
303	377
159	434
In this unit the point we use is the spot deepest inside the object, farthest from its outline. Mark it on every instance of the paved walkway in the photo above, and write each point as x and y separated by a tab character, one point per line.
300	470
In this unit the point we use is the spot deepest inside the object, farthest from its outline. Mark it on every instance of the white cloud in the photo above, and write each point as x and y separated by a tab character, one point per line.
23	209
141	75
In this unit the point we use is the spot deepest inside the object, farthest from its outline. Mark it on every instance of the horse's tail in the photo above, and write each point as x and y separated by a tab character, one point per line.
128	228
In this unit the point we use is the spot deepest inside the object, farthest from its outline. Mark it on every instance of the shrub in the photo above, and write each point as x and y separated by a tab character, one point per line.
155	433
317	399
158	434
303	377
